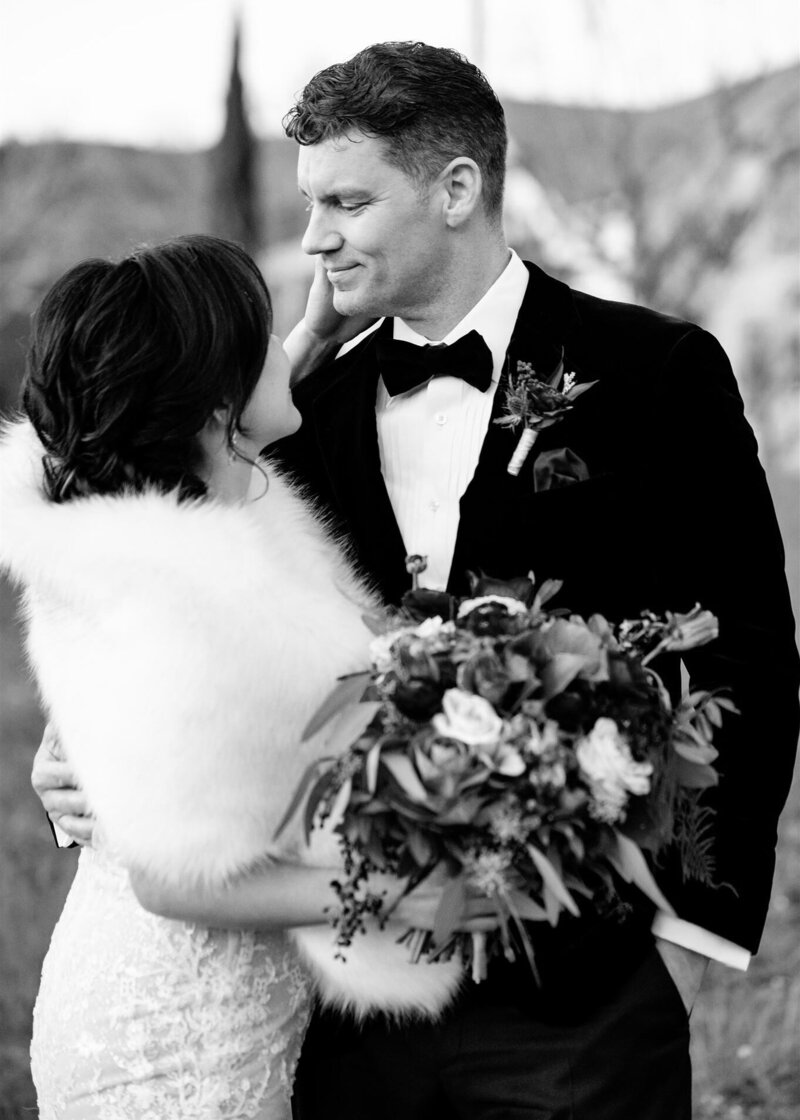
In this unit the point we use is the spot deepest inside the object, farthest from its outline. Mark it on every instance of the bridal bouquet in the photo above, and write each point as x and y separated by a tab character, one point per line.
526	754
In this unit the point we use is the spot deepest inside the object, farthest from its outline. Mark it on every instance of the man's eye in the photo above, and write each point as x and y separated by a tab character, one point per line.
351	207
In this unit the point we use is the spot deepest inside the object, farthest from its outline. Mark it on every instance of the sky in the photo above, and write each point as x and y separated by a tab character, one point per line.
154	72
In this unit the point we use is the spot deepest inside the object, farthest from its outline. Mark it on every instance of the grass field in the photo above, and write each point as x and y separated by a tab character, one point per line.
746	1029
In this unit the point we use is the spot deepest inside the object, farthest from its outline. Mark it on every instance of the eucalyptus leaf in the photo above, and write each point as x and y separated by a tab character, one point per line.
420	847
373	808
552	879
503	915
560	671
407	810
695	776
318	791
726	704
552	905
547	591
629	862
449	911
524	908
696	753
340	803
689	731
299	794
696	698
712	711
346	727
580	389
371	767
463	811
349	690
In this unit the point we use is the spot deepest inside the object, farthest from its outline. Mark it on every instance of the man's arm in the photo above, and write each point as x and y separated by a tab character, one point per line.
56	786
716	540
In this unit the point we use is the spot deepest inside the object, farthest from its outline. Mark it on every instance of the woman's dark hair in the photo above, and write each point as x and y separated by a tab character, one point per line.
429	105
128	362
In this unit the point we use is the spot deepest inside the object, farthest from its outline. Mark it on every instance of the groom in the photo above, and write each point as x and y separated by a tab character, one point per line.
647	495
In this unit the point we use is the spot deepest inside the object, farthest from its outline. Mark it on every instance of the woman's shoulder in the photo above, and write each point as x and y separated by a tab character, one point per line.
150	556
99	540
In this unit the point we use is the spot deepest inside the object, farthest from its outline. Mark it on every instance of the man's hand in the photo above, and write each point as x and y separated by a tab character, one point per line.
686	968
56	786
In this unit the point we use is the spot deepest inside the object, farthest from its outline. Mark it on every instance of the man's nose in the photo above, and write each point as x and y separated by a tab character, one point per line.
321	235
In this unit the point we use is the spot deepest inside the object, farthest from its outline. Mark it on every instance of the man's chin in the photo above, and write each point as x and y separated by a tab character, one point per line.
347	302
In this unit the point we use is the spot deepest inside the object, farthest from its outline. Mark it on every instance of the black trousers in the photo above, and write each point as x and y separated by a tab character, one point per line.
615	1049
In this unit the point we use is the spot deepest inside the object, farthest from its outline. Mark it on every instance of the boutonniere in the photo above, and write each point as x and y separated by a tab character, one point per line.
537	403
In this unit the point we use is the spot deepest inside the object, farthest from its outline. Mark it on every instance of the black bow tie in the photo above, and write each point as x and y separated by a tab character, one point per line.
404	366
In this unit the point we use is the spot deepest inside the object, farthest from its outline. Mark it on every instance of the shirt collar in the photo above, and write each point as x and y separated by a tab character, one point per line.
493	316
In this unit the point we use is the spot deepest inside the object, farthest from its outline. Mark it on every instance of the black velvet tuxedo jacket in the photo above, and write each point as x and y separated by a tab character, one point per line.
675	511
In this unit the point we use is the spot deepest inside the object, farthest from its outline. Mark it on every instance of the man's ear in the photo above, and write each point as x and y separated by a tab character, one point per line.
462	183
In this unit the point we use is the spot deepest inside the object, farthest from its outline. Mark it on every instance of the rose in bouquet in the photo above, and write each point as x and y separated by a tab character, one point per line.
528	756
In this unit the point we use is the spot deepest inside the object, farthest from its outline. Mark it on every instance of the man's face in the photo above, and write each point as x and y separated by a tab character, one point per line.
381	240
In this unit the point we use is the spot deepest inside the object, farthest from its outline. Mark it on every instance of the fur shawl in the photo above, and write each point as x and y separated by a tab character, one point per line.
180	649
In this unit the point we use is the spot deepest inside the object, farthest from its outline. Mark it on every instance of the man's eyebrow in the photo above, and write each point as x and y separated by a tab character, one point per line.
337	195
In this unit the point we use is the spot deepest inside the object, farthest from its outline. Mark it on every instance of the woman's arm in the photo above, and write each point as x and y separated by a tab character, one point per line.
281	895
274	896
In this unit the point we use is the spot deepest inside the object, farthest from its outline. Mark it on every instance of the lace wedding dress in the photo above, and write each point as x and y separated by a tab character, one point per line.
142	1018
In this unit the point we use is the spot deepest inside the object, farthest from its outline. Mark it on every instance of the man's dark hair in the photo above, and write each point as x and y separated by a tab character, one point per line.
429	104
129	361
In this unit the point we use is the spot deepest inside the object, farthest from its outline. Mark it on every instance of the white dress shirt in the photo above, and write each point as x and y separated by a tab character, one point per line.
431	437
430	440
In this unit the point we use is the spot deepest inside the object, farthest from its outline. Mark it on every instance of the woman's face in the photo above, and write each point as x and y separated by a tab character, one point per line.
270	413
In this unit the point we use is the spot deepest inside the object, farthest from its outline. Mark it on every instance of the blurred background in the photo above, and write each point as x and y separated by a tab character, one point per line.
655	157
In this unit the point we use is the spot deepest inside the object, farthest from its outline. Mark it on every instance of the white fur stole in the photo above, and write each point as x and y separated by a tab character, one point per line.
180	649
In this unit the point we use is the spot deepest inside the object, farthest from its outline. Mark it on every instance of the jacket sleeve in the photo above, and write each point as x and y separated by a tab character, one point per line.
723	548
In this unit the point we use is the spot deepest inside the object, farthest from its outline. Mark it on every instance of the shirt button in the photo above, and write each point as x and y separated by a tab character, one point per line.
440	419
434	506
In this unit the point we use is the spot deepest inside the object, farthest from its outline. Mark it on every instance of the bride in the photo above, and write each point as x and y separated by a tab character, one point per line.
186	613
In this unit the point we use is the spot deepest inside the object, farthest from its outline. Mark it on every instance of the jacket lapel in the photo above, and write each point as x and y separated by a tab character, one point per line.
489	536
347	433
494	503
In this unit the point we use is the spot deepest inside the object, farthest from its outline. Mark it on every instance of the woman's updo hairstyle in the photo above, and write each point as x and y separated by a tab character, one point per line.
128	362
